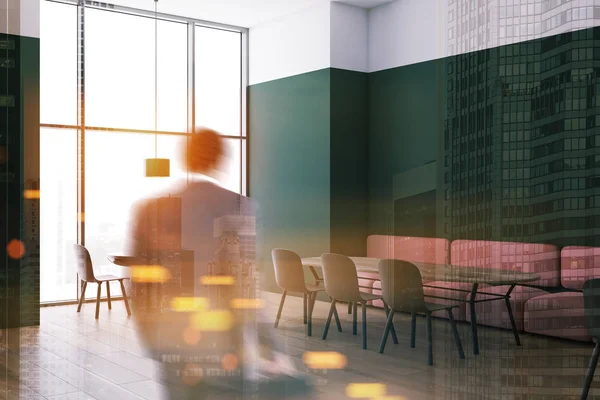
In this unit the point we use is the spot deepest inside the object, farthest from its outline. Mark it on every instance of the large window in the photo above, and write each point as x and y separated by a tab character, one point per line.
120	124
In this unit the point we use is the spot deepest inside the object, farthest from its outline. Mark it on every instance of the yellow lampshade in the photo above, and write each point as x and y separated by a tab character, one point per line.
158	167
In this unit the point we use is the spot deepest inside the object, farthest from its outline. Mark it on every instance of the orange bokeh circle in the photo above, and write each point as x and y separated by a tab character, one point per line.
15	249
229	362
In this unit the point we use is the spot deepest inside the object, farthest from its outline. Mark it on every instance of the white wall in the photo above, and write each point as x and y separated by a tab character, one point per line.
405	32
20	17
322	36
349	37
292	45
30	18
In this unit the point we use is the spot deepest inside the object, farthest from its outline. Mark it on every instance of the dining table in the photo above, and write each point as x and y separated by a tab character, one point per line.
473	275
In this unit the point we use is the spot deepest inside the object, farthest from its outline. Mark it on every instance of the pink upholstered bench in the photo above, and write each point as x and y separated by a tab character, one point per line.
541	259
562	314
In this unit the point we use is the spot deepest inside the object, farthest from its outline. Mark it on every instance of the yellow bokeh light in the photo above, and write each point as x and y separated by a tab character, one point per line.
365	390
324	360
229	362
389	398
149	274
247	303
81	217
213	321
217	280
31	194
187	304
191	336
15	249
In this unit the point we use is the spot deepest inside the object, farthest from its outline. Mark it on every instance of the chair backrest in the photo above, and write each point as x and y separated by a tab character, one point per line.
341	280
289	272
591	301
84	264
402	285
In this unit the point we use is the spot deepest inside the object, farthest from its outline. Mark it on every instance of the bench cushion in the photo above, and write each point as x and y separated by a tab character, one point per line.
578	264
557	314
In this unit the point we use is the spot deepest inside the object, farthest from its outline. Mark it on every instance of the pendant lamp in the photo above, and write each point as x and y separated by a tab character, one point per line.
156	167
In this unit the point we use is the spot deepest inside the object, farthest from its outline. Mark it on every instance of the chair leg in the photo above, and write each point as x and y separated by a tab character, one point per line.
349	308
590	373
280	308
386	331
461	353
311	305
429	340
337	319
83	287
387	312
305	309
354	318
413	330
328	322
108	295
364	325
98	300
125	297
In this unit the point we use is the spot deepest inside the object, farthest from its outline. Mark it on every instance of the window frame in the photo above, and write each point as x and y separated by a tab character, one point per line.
192	23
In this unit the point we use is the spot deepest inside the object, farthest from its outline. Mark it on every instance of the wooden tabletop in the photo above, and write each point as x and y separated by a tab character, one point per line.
445	272
123	261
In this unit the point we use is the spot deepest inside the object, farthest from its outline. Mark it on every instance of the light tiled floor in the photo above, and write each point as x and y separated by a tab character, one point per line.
73	356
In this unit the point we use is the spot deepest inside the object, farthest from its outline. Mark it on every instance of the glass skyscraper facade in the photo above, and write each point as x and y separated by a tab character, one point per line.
520	143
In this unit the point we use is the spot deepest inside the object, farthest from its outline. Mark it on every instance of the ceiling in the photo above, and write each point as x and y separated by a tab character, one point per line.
245	13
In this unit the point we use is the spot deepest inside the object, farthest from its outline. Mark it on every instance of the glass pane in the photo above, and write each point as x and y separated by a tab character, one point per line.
244	173
172	77
120	72
218	80
115	165
230	178
58	62
58	213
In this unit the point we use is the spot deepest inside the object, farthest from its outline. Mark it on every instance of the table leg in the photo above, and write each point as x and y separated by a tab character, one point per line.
314	274
511	315
474	319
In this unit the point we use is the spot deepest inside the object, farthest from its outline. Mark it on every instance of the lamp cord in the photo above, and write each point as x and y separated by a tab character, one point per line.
155	78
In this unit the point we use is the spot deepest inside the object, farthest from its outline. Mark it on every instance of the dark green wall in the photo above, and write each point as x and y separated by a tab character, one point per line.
349	162
19	167
30	122
289	139
404	122
308	164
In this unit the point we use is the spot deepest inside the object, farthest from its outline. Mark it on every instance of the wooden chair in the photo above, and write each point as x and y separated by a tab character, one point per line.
591	303
341	284
85	270
402	289
289	275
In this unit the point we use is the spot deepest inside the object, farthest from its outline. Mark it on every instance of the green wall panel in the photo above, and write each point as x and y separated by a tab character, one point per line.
289	125
349	162
19	169
405	119
30	122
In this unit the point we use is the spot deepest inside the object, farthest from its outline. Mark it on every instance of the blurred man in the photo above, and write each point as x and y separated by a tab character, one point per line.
195	289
